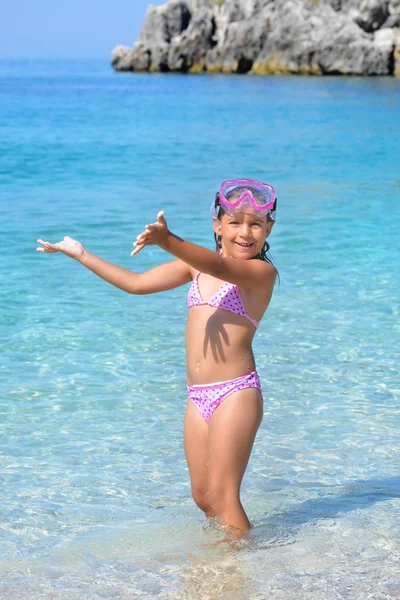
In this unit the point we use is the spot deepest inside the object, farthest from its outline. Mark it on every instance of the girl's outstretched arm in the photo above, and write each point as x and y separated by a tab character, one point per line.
160	278
248	273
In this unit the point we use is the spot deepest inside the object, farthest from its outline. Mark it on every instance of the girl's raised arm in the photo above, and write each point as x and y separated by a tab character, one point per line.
160	278
252	274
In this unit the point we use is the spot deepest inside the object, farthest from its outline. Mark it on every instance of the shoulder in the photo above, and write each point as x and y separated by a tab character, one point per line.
264	269
263	277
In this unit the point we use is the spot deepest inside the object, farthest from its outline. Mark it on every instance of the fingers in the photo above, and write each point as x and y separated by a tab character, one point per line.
146	237
47	247
46	244
58	246
141	241
160	220
143	237
138	248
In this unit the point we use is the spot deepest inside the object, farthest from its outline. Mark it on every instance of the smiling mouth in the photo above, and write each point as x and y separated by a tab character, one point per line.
244	245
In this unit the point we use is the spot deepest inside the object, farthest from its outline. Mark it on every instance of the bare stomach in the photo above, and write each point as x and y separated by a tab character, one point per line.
218	346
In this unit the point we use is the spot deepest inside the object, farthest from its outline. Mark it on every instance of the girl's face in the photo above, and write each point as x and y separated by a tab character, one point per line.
243	235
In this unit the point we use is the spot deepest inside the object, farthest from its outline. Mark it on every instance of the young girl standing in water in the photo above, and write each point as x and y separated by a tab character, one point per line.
230	292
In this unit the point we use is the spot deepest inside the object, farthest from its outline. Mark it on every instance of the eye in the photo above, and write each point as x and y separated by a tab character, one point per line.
256	224
233	222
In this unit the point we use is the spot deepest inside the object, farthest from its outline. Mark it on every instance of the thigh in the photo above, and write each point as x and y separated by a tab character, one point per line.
232	430
195	439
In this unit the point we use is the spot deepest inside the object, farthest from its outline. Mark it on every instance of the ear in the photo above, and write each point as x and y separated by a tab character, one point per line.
217	225
269	228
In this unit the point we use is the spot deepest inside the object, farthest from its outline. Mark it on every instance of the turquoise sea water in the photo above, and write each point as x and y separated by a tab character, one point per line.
95	497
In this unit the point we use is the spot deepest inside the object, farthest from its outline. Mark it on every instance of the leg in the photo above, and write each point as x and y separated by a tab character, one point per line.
232	431
195	438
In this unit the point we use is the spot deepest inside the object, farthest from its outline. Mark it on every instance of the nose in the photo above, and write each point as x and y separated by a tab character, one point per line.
244	230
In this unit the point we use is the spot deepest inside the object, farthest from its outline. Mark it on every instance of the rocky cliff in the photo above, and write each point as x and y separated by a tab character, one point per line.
349	37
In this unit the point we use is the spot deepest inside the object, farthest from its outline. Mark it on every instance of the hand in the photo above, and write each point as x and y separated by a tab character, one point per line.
154	234
68	246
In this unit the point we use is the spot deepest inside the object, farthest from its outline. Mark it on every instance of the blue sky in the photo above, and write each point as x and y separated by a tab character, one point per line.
68	28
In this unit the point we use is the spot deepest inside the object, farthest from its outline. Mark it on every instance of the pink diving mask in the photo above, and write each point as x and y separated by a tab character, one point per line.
245	194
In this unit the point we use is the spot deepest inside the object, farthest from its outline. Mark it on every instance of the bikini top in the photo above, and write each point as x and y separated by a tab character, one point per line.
227	297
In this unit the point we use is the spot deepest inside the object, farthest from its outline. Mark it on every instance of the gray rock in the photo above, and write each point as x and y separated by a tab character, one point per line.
150	53
348	55
195	5
268	36
187	51
309	41
392	21
162	23
296	33
396	53
239	46
121	58
131	59
371	14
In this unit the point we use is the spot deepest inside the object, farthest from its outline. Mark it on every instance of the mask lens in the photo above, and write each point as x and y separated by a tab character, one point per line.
246	194
261	197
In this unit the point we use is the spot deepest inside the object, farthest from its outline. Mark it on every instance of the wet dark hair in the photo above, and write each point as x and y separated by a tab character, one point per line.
262	255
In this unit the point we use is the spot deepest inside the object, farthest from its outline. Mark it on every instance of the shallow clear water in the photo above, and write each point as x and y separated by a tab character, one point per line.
95	497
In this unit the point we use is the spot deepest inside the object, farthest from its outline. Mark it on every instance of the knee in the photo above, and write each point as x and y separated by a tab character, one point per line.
221	496
201	498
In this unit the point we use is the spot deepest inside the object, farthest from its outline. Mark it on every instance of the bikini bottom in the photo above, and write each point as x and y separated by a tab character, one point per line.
208	397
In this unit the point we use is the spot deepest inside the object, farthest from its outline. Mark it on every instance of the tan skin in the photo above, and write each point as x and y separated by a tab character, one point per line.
218	345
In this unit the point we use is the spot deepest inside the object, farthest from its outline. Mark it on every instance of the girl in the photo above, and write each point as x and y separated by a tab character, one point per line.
228	296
